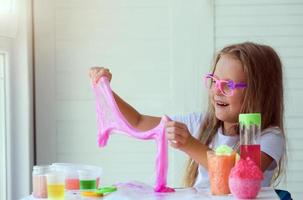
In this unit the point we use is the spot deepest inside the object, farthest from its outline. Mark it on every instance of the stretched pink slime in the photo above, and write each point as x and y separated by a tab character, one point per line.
109	119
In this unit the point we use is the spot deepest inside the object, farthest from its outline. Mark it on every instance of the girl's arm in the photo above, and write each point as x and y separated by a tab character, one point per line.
265	161
198	152
137	120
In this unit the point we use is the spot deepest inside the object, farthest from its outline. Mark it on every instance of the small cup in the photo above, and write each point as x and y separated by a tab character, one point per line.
88	180
71	179
55	185
97	171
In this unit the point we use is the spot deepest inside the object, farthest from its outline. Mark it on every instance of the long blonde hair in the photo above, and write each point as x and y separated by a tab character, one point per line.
264	94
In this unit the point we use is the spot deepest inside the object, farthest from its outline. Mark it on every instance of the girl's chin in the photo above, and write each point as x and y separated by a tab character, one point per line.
221	112
225	117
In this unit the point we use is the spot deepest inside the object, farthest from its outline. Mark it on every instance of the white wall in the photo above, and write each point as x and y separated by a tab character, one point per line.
2	126
280	25
18	44
159	44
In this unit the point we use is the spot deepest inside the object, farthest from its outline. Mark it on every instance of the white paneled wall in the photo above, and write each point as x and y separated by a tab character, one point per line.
157	51
279	24
2	129
8	18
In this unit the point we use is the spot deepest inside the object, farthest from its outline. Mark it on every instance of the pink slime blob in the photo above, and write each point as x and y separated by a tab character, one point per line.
109	119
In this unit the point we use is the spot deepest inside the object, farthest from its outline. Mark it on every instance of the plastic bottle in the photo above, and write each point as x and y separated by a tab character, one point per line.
250	133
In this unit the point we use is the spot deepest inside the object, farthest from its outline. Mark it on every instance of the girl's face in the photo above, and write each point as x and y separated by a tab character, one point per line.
227	109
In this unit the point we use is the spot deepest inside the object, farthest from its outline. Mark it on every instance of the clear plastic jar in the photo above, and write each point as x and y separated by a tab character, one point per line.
39	181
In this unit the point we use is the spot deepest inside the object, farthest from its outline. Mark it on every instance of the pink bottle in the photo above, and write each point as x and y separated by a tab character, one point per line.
39	181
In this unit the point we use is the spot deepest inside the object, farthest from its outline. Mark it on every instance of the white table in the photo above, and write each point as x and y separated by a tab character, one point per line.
142	191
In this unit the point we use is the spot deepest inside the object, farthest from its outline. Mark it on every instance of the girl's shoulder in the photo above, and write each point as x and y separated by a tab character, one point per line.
272	130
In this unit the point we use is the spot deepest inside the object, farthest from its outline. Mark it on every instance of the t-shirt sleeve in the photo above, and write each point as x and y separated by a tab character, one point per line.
192	121
272	143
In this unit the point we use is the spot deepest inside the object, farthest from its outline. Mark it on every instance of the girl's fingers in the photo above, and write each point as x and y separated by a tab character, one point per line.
176	124
103	73
174	145
183	131
93	71
175	130
97	72
173	136
177	134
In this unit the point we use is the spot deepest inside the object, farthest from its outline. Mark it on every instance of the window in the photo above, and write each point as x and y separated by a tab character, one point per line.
2	128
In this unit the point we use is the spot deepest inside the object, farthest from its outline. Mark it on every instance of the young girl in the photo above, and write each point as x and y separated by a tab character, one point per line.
255	85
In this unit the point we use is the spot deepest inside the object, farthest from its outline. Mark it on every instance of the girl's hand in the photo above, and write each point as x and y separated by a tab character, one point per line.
178	135
95	73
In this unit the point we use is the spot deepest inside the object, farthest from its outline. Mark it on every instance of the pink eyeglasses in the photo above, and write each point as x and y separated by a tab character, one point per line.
226	87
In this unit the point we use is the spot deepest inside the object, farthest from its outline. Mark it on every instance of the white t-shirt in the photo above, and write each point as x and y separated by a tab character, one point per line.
271	144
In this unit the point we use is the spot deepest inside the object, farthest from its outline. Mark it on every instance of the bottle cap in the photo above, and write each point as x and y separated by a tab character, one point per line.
250	119
41	169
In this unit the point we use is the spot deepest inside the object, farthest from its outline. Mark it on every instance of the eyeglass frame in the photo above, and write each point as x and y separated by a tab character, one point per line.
230	83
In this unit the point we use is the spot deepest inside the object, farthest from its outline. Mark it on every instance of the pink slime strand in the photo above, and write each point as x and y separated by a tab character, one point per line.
109	119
